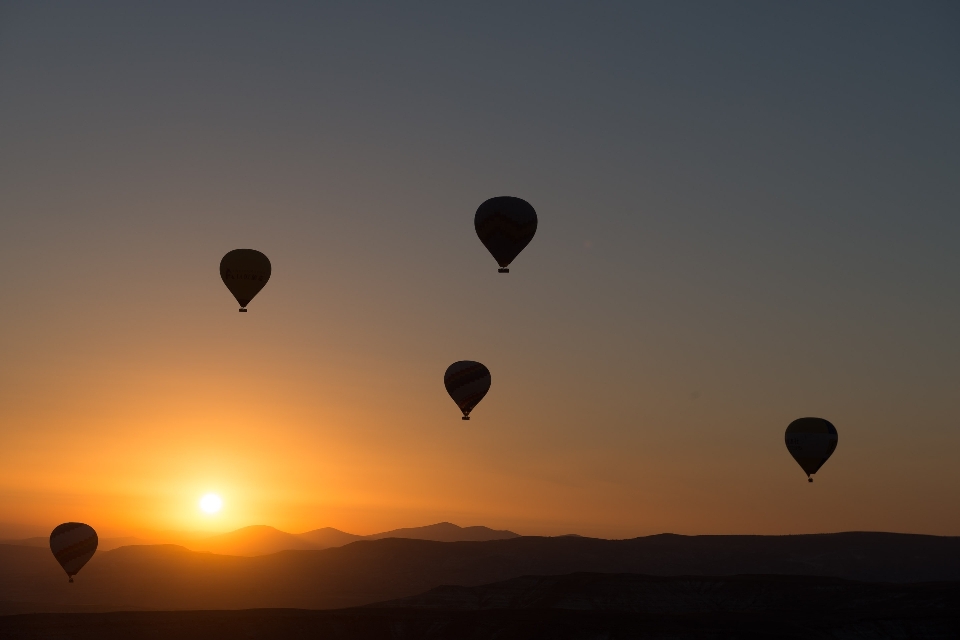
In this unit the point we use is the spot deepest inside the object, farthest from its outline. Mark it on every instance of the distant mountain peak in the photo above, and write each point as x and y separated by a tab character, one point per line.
262	539
253	527
446	532
253	540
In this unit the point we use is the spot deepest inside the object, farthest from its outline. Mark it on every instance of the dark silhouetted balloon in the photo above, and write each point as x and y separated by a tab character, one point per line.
505	225
73	543
467	382
245	272
811	442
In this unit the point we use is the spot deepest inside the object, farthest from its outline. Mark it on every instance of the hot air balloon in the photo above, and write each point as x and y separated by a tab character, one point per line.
811	441
505	225
467	382
73	543
244	271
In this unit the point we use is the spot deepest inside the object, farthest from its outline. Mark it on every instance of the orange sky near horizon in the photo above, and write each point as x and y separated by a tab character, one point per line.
733	233
282	413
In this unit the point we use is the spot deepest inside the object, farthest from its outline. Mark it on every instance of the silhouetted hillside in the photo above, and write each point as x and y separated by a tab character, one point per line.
260	540
38	541
690	594
328	537
105	544
446	532
578	606
171	577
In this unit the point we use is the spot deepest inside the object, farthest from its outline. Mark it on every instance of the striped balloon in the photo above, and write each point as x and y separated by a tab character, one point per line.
245	272
811	441
505	225
73	543
467	382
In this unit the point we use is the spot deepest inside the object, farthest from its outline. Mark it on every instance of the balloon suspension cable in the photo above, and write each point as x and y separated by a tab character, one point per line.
242	310
503	270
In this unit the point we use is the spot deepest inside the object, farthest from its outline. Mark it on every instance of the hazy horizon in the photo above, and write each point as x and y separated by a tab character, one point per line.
16	532
748	213
12	532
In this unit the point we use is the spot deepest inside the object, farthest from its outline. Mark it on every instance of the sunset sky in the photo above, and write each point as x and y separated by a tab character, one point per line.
749	212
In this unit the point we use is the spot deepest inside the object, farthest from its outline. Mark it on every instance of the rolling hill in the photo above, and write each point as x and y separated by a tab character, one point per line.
106	544
328	537
258	540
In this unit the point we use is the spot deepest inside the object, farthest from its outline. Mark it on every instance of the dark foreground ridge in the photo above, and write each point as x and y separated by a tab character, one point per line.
166	577
563	607
683	595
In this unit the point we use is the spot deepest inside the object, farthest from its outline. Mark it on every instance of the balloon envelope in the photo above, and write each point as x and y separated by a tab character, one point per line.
811	441
245	272
467	382
72	544
505	225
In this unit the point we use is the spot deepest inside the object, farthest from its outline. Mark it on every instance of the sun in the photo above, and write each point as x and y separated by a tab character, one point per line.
211	503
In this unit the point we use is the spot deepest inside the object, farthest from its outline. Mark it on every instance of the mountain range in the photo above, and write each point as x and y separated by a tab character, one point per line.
368	571
260	540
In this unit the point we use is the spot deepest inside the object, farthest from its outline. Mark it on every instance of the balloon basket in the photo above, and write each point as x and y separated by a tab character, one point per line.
503	270
71	579
243	310
465	418
809	479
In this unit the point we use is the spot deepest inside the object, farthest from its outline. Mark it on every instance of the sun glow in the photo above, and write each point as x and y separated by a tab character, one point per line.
211	503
